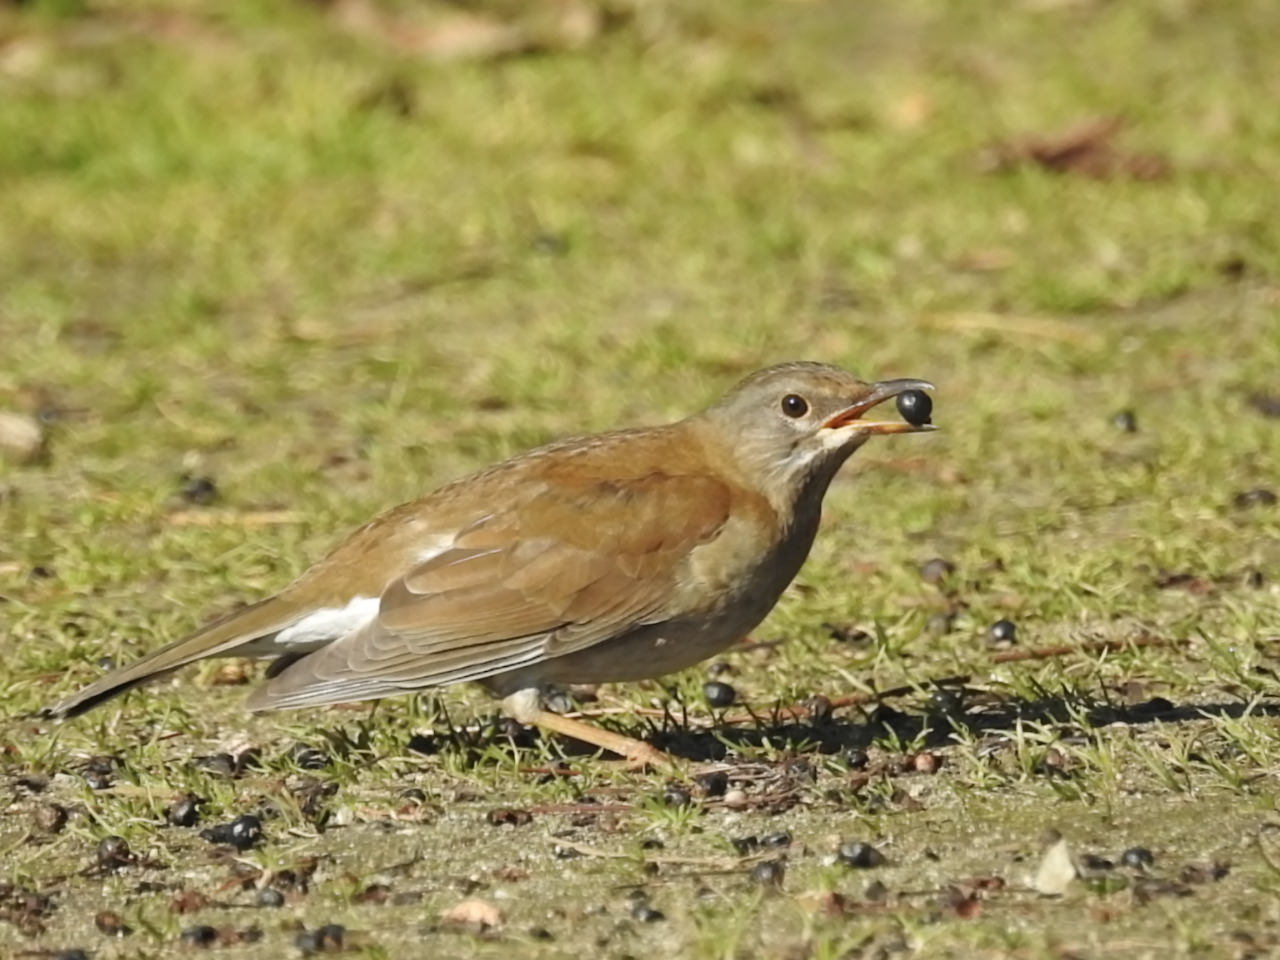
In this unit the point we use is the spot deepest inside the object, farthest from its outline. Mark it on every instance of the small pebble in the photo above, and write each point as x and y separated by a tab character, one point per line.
308	757
201	491
1056	871
307	942
1137	858
269	897
199	936
1233	267
22	438
769	873
1267	404
508	817
109	923
32	782
674	795
188	901
1125	421
233	673
644	913
479	915
50	817
113	853
736	799
1260	497
855	758
424	744
712	784
848	633
550	244
719	694
1054	763
30	903
916	407
781	838
243	833
860	856
380	893
1002	633
926	762
184	812
937	570
99	772
331	936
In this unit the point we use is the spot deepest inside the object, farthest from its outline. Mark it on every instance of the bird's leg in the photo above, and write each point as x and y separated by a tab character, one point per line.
526	707
639	755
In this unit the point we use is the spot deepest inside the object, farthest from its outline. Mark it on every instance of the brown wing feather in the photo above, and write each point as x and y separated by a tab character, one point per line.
582	563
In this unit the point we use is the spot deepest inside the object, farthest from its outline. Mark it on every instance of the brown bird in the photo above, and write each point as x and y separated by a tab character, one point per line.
614	557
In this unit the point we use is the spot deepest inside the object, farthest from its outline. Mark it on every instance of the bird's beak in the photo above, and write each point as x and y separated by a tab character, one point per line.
880	392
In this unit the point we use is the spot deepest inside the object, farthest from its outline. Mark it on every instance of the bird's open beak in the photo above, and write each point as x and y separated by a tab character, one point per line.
880	392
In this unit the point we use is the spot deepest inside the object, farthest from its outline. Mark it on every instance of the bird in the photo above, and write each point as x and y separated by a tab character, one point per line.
612	557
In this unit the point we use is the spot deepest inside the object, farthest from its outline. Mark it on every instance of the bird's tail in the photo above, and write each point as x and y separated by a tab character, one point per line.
222	638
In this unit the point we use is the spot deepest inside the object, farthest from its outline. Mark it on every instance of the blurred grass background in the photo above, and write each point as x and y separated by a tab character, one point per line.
329	255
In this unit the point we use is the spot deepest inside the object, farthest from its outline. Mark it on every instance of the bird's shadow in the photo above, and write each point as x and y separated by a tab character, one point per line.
943	722
941	717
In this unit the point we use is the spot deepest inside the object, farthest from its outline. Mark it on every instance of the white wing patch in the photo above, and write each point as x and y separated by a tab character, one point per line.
321	627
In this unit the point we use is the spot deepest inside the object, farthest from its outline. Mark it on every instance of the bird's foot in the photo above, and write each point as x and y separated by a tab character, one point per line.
645	758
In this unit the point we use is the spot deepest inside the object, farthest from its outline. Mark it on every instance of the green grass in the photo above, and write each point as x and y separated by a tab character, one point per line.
248	242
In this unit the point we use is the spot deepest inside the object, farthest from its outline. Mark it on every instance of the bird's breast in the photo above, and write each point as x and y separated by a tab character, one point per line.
746	568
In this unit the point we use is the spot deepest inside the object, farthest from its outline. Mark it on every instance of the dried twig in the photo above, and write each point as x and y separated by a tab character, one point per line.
217	518
710	863
1095	646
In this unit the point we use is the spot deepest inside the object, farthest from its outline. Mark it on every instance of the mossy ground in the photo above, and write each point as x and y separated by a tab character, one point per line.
280	246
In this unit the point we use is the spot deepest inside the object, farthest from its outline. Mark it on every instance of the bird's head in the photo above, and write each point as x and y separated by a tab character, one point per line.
790	426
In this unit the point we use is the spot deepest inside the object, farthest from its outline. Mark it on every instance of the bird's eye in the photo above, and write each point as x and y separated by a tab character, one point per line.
794	405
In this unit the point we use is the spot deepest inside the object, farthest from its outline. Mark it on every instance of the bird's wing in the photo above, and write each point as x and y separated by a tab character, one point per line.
358	568
575	565
217	638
